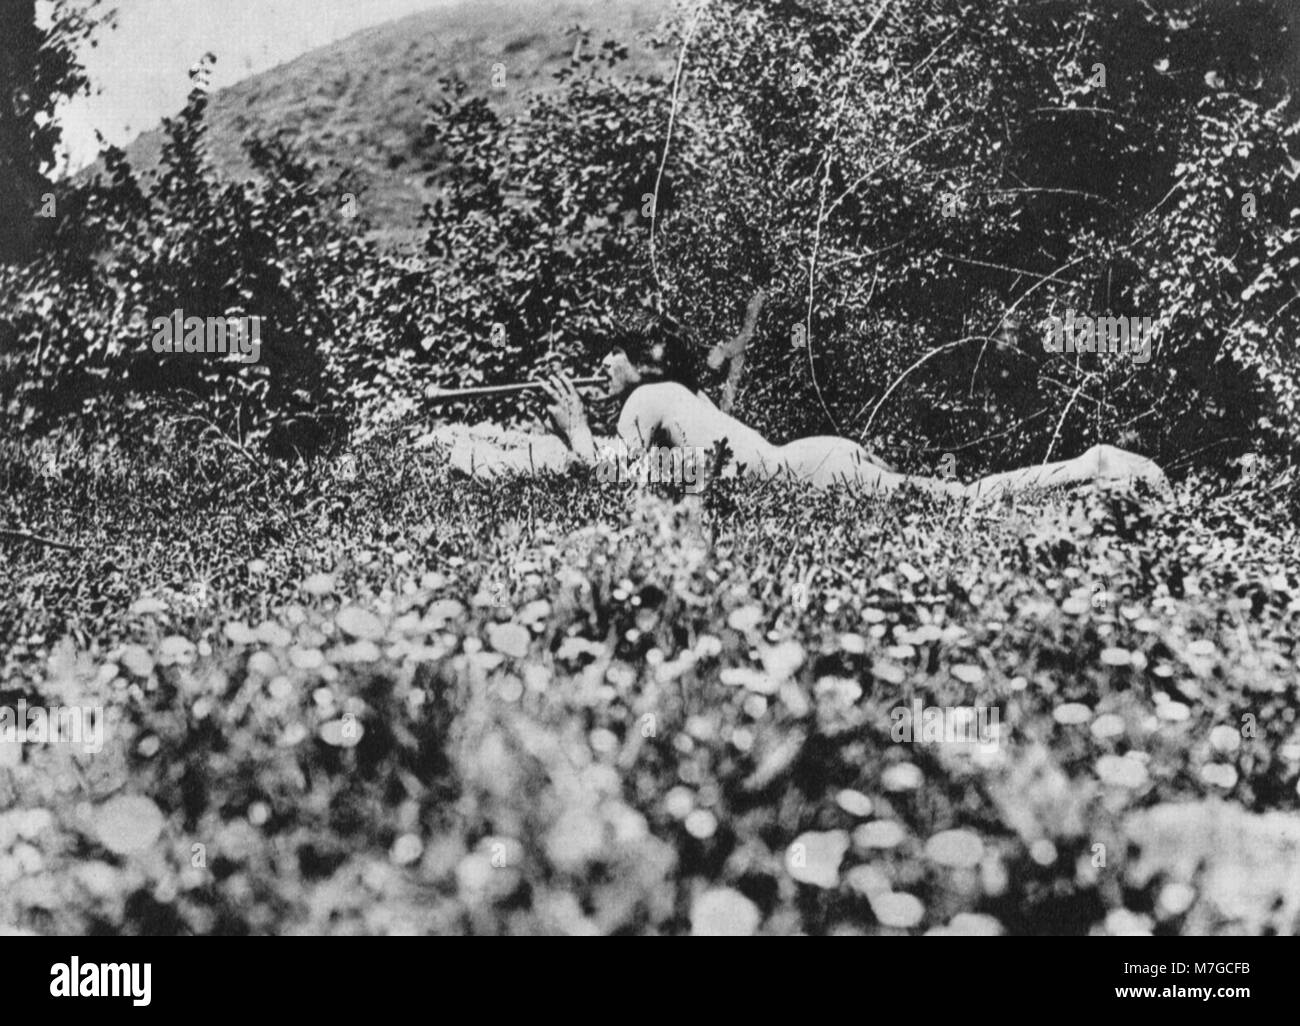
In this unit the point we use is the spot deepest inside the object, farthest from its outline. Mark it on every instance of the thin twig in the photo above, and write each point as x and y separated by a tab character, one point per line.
1186	456
848	257
812	287
880	165
927	450
933	352
1011	310
663	160
1077	110
6	532
928	57
1012	270
1051	192
1061	423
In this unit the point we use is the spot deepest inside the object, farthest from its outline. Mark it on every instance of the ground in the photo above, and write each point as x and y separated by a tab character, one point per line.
398	700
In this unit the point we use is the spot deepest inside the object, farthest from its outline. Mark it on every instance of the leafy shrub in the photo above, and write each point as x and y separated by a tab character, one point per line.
915	195
78	321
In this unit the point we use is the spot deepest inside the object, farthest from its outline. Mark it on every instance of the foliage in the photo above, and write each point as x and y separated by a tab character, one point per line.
79	321
39	69
579	709
915	187
916	193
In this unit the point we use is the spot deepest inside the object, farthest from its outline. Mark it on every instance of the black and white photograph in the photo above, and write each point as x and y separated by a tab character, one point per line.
651	468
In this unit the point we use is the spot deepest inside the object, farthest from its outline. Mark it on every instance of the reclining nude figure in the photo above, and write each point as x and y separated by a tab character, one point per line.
668	414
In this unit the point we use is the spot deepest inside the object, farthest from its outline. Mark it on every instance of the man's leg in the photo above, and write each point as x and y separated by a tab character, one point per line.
1104	464
824	461
485	451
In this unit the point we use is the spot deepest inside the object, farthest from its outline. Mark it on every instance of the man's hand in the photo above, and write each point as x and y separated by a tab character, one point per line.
569	416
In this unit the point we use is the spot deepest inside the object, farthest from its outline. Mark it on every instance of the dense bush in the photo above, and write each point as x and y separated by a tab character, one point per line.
915	195
990	177
78	320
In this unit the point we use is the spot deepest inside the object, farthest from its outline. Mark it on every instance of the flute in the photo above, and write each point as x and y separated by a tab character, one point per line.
474	392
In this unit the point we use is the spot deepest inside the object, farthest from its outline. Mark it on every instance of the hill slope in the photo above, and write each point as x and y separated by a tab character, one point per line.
359	104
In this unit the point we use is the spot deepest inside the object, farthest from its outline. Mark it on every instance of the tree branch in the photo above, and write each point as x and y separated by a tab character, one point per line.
8	532
736	349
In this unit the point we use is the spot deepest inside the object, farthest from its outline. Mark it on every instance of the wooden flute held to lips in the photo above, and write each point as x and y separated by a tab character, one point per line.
474	392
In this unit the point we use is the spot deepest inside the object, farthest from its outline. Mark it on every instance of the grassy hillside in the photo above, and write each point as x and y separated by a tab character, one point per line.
360	103
407	702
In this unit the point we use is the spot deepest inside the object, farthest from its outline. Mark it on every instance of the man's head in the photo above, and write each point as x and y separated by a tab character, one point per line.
622	374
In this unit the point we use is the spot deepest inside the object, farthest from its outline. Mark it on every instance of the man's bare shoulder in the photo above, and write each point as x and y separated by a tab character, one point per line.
664	398
661	390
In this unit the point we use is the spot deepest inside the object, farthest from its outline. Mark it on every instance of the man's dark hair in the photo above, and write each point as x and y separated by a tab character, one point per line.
660	353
